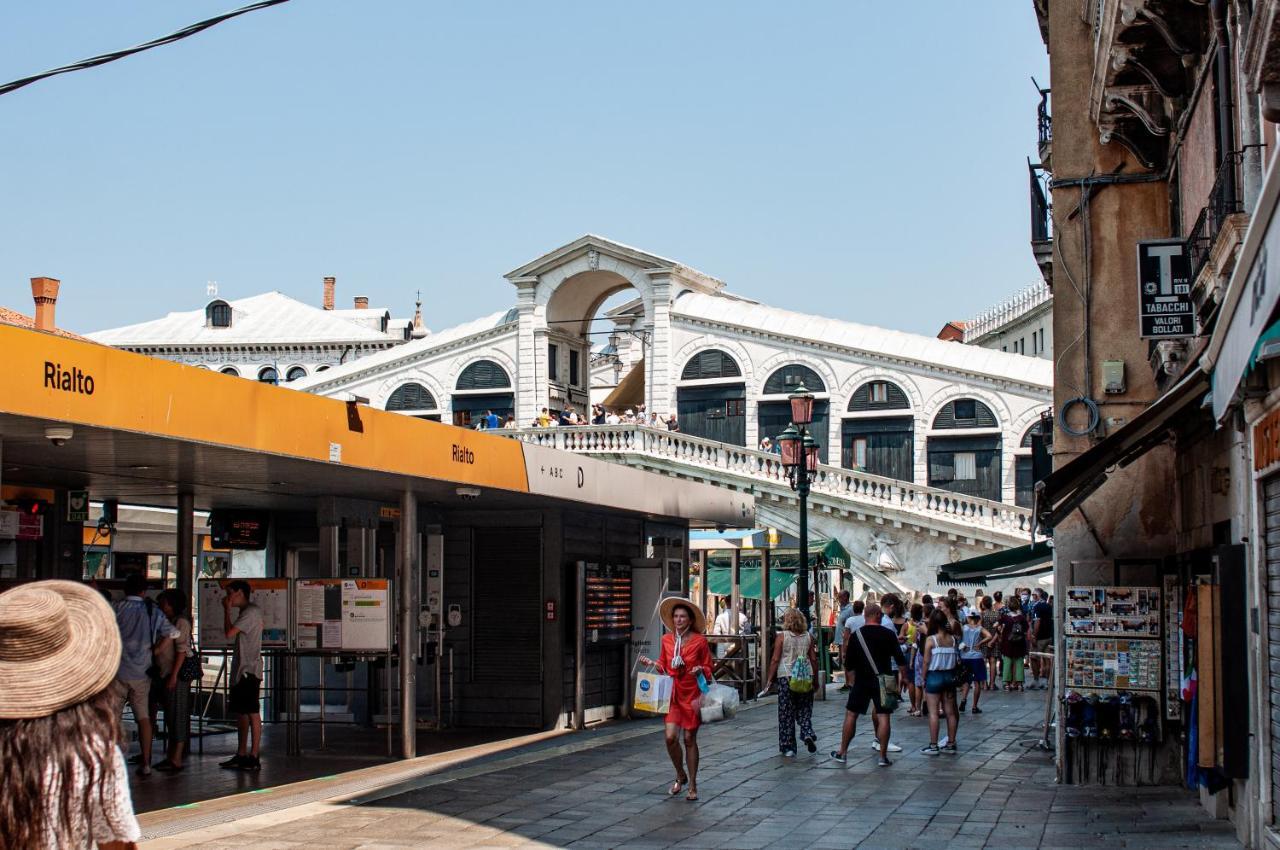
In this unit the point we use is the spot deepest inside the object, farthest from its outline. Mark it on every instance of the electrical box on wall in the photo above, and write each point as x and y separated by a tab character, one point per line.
1113	376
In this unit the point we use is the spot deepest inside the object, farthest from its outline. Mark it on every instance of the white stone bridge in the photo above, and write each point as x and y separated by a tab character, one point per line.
897	532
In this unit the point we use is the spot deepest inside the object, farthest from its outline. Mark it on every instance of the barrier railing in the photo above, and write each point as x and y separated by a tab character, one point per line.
862	488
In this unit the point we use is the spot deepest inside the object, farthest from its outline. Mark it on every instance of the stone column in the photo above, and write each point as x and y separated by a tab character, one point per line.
527	404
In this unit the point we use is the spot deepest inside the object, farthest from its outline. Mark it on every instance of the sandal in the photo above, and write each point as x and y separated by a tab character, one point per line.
692	796
677	786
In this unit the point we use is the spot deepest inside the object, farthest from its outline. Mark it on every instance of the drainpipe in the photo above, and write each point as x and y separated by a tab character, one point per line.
1222	82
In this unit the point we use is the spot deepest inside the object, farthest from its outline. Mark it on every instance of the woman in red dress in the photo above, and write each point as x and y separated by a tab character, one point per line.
684	654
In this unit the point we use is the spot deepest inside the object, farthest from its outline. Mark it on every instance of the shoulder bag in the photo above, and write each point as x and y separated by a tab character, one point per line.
890	691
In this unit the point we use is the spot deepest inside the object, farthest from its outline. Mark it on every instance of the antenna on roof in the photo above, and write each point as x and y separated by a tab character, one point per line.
211	288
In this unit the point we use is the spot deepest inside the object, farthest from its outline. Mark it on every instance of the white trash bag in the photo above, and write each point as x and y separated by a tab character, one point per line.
720	702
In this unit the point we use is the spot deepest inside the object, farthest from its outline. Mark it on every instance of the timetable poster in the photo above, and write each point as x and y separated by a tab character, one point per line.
608	598
366	614
318	604
269	594
1117	611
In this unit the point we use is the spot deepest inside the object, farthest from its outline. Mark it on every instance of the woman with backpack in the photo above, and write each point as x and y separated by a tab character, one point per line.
791	667
941	660
1013	628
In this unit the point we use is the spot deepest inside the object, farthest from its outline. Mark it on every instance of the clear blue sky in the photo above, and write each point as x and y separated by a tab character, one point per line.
864	161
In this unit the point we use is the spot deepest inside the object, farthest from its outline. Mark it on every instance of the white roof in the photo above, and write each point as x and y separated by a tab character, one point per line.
414	350
266	319
725	309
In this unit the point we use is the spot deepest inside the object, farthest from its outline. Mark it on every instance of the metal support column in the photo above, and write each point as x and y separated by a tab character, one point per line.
580	648
735	591
329	551
407	582
185	561
766	619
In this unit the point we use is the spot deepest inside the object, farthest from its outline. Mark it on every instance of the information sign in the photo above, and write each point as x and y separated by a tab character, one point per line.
269	594
1165	309
343	614
77	506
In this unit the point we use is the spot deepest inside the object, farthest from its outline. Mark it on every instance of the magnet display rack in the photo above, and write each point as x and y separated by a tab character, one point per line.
1113	640
608	603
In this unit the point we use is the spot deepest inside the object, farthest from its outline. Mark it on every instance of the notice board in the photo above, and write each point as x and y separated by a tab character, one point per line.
269	594
343	614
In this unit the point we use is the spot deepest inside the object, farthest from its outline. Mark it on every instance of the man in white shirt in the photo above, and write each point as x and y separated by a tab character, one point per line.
723	626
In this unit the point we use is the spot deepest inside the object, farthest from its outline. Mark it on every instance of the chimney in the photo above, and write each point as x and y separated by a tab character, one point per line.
330	283
45	292
362	302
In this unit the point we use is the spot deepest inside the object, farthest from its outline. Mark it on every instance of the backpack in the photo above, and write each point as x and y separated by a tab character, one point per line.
1018	630
801	681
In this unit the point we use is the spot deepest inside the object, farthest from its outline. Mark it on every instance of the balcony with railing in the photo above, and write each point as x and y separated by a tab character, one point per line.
1217	230
1041	221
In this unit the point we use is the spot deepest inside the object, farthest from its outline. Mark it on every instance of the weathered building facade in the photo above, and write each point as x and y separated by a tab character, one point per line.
1158	162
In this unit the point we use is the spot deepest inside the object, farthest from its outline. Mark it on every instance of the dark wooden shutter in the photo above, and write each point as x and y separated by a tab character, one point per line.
483	375
896	399
712	363
983	417
786	379
411	397
507	642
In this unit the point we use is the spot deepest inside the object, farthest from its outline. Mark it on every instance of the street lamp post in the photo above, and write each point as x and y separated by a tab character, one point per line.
800	460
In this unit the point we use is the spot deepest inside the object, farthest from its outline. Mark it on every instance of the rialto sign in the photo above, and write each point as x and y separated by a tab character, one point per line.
70	380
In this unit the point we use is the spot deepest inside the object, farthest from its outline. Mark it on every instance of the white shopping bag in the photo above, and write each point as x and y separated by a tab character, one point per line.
652	693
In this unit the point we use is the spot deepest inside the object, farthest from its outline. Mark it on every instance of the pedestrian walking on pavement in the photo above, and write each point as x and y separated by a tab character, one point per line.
246	674
144	631
175	694
64	777
794	684
686	658
941	658
1013	628
873	650
973	642
991	652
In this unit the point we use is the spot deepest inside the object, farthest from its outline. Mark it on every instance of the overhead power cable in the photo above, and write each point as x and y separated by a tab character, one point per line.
185	32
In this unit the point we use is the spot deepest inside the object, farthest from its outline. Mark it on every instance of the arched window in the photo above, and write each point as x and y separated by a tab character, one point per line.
268	375
786	379
217	314
411	397
965	413
483	375
294	373
712	363
1036	428
878	395
230	370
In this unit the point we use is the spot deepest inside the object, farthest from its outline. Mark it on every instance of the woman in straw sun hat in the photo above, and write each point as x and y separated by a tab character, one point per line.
684	655
61	769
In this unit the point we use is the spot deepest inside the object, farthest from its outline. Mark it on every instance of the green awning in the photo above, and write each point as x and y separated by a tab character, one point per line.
1031	560
837	556
720	581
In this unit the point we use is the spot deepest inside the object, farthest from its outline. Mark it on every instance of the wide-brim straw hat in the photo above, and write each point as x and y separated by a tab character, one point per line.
671	603
59	645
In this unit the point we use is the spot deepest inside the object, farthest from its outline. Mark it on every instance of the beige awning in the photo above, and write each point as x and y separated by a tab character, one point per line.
630	390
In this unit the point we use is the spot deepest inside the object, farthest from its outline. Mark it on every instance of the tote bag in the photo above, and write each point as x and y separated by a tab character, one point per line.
652	693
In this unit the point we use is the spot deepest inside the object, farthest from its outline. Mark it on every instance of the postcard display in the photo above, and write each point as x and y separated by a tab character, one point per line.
1113	639
608	605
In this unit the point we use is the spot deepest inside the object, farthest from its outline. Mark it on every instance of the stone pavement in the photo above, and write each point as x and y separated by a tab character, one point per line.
996	793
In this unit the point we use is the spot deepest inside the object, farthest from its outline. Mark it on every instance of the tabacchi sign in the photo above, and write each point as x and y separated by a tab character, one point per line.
1165	310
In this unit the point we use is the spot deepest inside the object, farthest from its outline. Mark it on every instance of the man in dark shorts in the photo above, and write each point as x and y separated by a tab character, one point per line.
883	646
246	673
